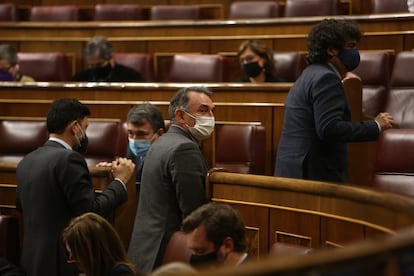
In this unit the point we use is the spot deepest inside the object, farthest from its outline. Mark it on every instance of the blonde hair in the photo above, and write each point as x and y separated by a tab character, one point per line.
95	245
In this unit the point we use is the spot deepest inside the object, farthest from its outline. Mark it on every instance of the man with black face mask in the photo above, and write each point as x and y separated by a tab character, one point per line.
99	57
317	121
215	234
54	186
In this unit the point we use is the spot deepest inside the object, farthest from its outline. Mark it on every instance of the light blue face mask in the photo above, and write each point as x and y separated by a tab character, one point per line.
139	147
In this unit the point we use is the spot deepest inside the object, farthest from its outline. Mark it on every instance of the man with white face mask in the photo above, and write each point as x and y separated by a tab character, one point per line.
173	177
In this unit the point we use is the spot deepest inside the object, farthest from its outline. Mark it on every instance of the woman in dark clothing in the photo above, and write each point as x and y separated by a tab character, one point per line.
257	62
94	245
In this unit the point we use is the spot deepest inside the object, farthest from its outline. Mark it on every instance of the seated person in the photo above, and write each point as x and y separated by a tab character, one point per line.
99	57
257	62
9	67
95	247
215	234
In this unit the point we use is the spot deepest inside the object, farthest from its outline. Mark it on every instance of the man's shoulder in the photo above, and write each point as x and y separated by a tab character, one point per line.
84	75
127	72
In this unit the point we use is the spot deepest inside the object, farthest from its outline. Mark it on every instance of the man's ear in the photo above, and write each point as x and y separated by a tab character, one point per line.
332	52
179	115
228	245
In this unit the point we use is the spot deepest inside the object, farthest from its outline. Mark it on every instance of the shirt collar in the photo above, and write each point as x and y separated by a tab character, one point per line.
60	141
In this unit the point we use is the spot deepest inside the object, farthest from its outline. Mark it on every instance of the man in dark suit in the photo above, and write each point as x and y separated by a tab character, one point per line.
54	186
317	120
215	234
173	179
99	57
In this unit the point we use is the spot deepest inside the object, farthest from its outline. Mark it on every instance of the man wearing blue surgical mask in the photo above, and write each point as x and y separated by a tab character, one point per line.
145	124
317	121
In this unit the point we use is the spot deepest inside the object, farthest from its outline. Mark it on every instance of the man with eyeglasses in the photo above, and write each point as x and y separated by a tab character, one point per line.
9	67
173	178
98	54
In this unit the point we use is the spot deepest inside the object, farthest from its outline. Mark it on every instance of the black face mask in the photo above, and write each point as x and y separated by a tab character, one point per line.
102	72
252	69
199	260
82	144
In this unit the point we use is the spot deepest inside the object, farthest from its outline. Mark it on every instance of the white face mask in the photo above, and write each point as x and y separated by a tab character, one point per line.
203	127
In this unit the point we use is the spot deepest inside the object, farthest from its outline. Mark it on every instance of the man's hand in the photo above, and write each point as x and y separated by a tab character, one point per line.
123	169
385	120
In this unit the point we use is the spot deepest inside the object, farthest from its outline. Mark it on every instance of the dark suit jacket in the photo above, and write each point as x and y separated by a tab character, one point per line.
54	186
172	186
119	73
317	125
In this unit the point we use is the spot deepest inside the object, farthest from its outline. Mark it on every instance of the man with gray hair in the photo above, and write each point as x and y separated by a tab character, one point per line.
98	54
173	179
9	67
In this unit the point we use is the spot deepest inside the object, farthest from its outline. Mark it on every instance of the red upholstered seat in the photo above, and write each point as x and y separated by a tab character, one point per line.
394	165
103	136
9	239
19	137
7	12
401	92
141	62
199	68
375	72
310	7
289	65
173	12
241	148
177	249
54	13
46	66
118	12
254	9
389	6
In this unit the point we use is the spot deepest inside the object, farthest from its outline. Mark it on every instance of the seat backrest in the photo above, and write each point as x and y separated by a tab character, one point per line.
177	249
19	137
199	68
310	7
174	12
389	6
241	148
401	92
7	12
103	136
254	9
141	62
54	13
375	72
118	12
394	165
9	238
53	66
289	65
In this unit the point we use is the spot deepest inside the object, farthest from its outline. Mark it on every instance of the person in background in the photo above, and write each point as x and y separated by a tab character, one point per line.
98	54
173	178
145	125
257	62
317	120
95	247
9	66
215	234
54	185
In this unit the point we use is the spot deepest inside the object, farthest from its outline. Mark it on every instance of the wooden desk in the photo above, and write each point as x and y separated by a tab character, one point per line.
242	102
386	31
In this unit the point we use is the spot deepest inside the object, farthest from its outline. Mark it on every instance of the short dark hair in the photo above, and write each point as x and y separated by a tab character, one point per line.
180	99
146	111
98	46
259	48
330	33
220	221
64	111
